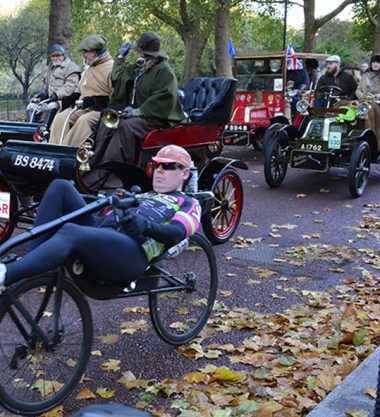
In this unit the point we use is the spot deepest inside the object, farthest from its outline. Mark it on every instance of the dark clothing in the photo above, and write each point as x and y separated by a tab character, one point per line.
118	145
156	91
153	94
343	80
107	252
299	77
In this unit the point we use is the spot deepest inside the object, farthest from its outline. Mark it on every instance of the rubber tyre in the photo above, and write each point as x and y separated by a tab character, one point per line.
179	316
360	164
220	223
37	361
7	226
275	163
214	150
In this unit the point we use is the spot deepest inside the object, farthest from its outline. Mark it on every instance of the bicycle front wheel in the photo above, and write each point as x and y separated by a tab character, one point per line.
179	316
35	374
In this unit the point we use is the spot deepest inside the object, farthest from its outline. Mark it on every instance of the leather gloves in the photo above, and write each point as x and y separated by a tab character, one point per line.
127	112
134	224
95	102
124	49
69	101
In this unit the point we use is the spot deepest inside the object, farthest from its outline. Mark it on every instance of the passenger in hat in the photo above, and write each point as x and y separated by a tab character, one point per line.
369	86
146	91
335	76
93	90
60	79
115	249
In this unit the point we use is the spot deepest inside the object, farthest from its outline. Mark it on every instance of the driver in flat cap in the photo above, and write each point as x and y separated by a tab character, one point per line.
94	89
335	76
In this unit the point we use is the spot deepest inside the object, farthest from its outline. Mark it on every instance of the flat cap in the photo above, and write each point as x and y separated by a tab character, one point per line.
92	42
333	58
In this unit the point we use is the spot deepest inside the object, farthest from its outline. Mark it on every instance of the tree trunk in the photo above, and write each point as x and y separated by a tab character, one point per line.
376	38
194	47
60	28
310	28
312	25
222	32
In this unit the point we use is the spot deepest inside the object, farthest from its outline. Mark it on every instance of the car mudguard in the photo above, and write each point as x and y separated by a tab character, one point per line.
289	132
211	172
369	136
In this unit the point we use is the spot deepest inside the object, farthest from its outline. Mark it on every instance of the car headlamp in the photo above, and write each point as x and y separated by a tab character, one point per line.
363	108
302	106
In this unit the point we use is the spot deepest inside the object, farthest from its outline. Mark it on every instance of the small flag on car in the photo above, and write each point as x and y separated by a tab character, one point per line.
292	63
231	49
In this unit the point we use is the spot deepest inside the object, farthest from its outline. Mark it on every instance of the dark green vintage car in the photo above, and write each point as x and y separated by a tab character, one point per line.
334	137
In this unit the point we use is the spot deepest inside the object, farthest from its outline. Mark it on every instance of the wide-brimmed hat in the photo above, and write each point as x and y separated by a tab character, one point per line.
375	57
93	42
173	153
149	44
333	58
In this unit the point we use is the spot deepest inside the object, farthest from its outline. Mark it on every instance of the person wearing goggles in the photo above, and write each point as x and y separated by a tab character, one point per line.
369	86
115	248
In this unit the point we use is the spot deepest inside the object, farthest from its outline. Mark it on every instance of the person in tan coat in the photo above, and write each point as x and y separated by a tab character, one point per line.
94	90
369	85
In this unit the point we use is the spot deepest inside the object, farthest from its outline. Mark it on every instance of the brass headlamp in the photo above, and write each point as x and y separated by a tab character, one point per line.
84	153
111	118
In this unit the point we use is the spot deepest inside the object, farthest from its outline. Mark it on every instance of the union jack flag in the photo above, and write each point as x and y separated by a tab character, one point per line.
292	63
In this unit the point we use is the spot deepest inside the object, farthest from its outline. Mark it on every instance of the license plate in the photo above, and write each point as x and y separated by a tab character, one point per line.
36	163
316	161
5	203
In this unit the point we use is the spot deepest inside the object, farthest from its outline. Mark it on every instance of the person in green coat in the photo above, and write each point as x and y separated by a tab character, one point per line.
146	91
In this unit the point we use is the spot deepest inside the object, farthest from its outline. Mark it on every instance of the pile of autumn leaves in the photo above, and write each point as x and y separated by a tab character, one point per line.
294	358
286	363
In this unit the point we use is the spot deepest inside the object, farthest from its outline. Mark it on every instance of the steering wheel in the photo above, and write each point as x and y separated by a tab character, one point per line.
331	92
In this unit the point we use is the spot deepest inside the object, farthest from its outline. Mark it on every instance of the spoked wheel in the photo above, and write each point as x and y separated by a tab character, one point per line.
221	221
275	162
179	316
358	174
7	226
36	376
214	150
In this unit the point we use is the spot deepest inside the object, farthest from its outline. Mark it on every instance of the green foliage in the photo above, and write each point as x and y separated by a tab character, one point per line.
362	30
336	38
24	42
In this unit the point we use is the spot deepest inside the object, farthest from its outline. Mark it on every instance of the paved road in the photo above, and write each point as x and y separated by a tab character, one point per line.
308	209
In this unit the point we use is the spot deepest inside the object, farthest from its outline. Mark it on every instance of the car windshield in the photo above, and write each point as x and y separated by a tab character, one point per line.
264	74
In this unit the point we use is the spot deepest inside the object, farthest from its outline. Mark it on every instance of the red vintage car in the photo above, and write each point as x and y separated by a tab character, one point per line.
261	97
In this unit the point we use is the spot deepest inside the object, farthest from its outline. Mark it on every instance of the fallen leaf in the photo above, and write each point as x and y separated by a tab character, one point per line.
110	365
55	412
104	393
85	394
109	339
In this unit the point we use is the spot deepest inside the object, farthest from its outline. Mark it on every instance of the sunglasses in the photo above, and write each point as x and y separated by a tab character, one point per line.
167	166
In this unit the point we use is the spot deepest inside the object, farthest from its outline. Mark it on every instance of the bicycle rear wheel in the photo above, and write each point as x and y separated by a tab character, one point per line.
36	376
179	316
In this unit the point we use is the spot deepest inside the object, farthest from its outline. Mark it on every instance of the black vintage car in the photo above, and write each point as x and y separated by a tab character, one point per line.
334	137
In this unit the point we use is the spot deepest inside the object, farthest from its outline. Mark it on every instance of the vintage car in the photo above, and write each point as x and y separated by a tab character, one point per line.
333	137
262	96
33	128
27	167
